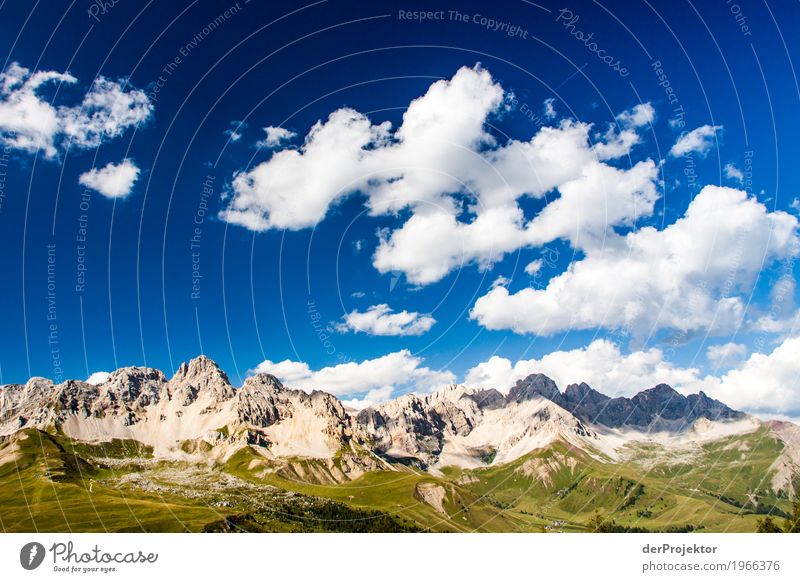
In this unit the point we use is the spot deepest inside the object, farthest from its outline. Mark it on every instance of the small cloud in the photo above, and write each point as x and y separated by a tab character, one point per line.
698	140
795	205
500	282
726	356
113	180
358	245
534	267
638	116
381	320
98	378
549	110
371	398
358	294
734	173
275	137
235	130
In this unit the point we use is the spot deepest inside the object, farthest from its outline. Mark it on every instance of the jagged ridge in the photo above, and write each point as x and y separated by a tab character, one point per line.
457	425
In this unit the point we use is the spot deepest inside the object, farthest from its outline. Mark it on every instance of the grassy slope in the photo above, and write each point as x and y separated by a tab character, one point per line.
710	493
46	488
393	492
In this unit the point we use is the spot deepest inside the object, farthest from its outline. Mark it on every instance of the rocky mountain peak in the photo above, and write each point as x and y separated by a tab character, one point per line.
199	367
132	384
264	381
201	376
38	381
659	391
489	399
583	392
533	386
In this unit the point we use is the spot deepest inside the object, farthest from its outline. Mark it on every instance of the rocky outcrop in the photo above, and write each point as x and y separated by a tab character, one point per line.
659	408
534	386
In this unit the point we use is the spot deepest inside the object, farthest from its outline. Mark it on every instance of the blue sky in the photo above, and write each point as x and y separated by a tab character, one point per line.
205	233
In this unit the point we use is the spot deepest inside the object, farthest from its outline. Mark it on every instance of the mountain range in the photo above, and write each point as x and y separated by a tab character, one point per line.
457	459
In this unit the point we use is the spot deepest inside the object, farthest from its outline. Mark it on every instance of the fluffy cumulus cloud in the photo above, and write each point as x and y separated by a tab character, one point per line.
457	193
734	173
29	122
112	180
461	186
534	267
549	108
235	131
377	378
600	364
690	276
724	356
699	141
764	383
639	116
767	384
382	320
97	378
275	136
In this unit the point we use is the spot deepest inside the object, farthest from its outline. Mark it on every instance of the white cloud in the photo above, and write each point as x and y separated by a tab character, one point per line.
383	375
595	197
598	199
689	276
549	109
235	131
30	123
638	116
381	320
295	188
767	384
113	180
534	267
106	112
698	140
371	398
27	122
433	242
783	316
724	356
97	378
501	281
734	173
775	323
439	163
275	137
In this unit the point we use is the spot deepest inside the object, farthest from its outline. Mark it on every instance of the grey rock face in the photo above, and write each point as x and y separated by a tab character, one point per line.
659	408
533	386
490	399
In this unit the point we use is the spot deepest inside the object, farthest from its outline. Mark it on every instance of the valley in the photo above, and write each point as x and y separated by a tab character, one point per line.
138	453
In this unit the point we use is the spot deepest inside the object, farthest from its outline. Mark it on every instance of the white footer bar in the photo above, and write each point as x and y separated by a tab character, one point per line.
423	557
